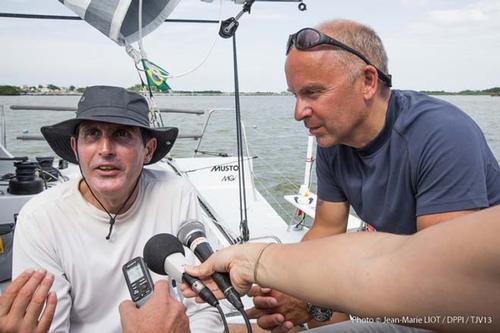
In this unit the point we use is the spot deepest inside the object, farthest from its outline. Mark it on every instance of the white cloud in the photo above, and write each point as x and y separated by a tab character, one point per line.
458	16
453	48
414	3
482	15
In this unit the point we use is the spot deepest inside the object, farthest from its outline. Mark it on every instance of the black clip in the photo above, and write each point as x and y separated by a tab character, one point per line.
228	27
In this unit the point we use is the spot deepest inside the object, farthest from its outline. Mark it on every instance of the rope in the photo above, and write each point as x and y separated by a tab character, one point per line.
139	15
244	231
137	56
208	53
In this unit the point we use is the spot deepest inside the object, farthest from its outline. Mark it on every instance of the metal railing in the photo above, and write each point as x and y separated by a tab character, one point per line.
205	125
22	107
245	143
71	108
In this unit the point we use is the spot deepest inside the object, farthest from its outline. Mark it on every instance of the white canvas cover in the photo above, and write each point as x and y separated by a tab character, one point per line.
118	19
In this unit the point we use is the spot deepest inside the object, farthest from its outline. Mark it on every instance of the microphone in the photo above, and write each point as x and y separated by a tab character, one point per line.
192	234
164	255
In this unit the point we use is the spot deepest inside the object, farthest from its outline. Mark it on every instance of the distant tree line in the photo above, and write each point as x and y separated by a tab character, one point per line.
9	90
40	89
53	89
495	91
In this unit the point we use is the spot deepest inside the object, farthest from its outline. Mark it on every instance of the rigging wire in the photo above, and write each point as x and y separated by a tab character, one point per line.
171	76
244	231
156	117
139	15
288	180
141	56
284	211
202	62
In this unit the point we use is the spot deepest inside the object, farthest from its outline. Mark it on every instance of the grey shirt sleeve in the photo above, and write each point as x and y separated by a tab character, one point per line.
450	167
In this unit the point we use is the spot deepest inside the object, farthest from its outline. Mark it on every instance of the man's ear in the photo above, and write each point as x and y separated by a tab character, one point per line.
150	149
74	146
370	82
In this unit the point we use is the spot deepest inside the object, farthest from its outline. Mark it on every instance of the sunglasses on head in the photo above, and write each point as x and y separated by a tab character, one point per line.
307	38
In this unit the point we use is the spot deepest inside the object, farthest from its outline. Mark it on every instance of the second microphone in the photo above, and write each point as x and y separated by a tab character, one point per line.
192	234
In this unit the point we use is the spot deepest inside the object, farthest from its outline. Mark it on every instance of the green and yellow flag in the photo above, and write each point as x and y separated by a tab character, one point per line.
156	76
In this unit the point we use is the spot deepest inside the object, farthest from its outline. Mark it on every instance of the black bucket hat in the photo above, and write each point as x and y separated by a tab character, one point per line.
109	105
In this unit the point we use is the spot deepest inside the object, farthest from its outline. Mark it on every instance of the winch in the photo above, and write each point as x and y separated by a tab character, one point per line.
25	181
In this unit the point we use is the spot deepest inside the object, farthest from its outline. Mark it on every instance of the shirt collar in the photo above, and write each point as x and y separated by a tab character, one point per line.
385	133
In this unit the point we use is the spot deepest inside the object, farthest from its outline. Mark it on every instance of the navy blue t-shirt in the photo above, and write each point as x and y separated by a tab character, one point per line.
430	157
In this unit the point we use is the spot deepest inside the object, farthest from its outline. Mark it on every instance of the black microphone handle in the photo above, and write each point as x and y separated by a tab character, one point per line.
200	289
223	281
203	251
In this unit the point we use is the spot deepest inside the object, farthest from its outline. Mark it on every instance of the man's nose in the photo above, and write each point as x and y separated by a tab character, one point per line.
302	109
105	146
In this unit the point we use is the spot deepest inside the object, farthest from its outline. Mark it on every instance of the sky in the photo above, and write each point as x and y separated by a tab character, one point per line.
447	45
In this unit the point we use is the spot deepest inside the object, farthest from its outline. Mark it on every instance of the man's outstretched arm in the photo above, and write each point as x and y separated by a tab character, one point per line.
280	312
379	274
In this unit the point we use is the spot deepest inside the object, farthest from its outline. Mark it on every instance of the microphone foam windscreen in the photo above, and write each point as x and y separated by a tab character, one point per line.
158	248
187	228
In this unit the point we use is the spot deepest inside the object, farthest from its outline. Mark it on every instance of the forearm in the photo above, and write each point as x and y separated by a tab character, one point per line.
331	269
377	274
317	232
330	219
451	269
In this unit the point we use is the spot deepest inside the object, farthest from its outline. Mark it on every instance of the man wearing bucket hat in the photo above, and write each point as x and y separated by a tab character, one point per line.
84	230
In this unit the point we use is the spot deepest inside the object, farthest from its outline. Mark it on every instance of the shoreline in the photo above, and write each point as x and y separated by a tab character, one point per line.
249	94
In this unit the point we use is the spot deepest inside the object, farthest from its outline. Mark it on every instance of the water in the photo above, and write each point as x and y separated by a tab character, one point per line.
278	141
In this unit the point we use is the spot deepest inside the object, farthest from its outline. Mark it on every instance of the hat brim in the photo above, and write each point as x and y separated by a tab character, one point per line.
59	136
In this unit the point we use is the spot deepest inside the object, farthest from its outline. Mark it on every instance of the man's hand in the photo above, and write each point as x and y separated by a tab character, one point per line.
276	311
22	304
160	314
